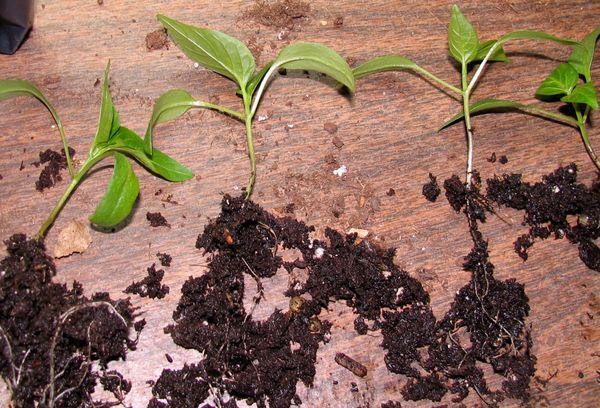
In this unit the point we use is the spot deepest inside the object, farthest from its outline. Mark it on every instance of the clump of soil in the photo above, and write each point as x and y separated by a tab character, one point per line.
55	163
157	220
279	14
157	40
485	325
55	342
548	205
262	361
150	286
431	189
164	258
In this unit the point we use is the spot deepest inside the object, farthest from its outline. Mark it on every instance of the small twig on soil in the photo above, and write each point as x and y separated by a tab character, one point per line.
259	290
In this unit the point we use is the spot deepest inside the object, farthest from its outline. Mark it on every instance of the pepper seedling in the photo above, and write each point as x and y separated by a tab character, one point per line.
230	58
466	49
571	82
111	139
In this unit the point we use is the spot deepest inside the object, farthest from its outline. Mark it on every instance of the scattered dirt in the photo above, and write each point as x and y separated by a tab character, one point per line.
351	364
157	40
164	258
74	237
503	159
338	22
279	14
337	142
431	190
157	220
548	206
330	127
50	174
150	286
56	343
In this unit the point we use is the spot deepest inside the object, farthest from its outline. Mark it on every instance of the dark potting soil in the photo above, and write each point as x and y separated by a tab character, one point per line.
548	205
150	286
156	219
431	189
55	342
257	360
164	258
54	162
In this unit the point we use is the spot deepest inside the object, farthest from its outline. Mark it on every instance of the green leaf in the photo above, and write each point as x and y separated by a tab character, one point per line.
213	49
316	57
481	106
384	63
126	141
583	54
560	82
463	43
108	122
583	93
10	88
534	35
498	55
170	105
120	195
257	78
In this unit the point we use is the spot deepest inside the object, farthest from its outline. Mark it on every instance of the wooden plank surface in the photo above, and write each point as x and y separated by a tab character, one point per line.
388	130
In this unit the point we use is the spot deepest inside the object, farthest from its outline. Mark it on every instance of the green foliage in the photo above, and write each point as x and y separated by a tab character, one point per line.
229	57
583	54
560	82
384	63
120	195
463	43
583	94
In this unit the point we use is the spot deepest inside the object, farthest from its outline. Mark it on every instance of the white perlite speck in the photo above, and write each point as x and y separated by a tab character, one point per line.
341	171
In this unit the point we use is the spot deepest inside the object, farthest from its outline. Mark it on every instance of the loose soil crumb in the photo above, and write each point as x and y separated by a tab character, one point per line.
74	237
503	159
431	190
548	204
279	14
56	343
150	286
157	220
157	40
164	258
50	174
330	127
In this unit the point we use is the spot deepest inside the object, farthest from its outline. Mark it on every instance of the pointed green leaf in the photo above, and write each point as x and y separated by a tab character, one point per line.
583	54
213	50
170	105
384	63
316	57
497	56
257	78
127	141
120	195
534	35
583	93
108	122
560	82
463	43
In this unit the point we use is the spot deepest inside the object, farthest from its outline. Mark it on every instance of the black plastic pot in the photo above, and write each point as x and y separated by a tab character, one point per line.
16	19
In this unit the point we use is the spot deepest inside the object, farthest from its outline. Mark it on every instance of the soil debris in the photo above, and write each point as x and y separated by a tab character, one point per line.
164	258
431	190
351	364
279	14
548	204
56	342
330	127
150	286
50	174
157	40
157	220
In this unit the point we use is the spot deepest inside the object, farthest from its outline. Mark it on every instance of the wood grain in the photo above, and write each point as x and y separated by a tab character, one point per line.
390	141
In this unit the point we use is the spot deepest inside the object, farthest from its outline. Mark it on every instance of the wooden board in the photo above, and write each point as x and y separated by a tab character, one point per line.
390	141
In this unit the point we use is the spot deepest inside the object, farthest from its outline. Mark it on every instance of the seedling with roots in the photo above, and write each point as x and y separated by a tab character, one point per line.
466	49
230	58
111	139
571	82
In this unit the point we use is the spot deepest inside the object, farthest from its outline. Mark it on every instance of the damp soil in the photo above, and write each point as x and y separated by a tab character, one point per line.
151	286
262	361
54	163
557	206
56	343
280	14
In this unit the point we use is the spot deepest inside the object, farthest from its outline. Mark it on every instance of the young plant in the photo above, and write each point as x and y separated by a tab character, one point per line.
466	49
111	139
571	82
230	58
